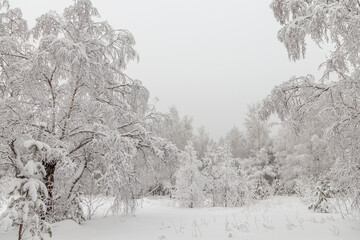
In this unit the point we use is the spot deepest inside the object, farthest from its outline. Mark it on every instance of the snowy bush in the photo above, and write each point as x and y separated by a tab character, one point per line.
261	188
320	198
278	187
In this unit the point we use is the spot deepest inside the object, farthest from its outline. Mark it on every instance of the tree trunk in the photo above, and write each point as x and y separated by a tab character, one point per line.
20	231
49	183
22	225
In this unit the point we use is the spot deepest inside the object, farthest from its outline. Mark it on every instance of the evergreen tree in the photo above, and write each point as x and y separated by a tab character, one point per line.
189	181
26	209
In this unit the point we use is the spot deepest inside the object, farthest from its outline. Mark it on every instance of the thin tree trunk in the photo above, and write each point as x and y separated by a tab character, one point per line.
49	183
71	106
53	96
20	231
21	226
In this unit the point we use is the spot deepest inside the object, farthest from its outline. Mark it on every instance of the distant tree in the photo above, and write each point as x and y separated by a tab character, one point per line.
201	141
260	174
228	182
237	143
177	129
257	129
189	181
223	185
210	166
302	157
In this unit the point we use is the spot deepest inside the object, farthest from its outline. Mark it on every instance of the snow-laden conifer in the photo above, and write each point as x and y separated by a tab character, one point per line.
26	209
189	181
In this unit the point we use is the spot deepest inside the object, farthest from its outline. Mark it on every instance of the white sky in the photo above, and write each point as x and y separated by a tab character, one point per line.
209	58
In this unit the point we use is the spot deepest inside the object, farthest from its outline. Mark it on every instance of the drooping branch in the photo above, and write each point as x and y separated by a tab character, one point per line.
16	162
76	177
81	145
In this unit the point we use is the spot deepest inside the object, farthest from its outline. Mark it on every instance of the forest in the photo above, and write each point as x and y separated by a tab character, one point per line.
77	134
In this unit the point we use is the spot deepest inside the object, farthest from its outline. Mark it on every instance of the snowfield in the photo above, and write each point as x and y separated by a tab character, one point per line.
159	219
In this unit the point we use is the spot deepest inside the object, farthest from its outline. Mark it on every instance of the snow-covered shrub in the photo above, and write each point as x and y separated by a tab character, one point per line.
321	195
92	198
261	188
73	208
189	188
278	187
304	188
26	209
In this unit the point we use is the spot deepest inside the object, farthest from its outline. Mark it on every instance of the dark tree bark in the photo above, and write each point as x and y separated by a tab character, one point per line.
49	183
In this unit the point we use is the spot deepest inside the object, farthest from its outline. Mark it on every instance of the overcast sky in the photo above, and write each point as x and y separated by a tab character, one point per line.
208	58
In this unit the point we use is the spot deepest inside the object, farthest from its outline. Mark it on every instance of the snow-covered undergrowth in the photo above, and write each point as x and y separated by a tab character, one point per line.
160	218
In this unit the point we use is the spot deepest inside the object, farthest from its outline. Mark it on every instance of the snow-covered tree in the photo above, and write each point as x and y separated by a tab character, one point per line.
201	140
257	130
302	158
320	198
260	174
224	186
231	191
210	164
336	94
178	130
26	209
62	84
189	188
237	143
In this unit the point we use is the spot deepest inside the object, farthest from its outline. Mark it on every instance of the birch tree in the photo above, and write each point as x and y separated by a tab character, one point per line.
63	84
336	94
257	130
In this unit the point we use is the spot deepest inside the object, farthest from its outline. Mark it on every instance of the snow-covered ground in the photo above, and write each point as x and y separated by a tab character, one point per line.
159	219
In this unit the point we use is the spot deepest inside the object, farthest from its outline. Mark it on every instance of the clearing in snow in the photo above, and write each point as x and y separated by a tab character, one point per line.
159	218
